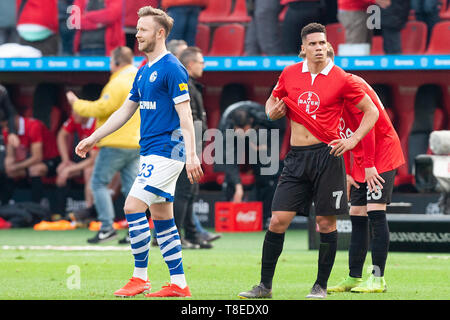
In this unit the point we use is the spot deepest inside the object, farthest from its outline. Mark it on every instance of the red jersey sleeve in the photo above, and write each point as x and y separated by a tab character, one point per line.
352	90
69	125
280	90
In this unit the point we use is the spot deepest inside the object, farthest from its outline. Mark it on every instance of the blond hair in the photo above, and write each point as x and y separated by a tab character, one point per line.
161	17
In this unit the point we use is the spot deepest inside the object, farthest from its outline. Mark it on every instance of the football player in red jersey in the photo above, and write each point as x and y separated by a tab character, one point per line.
370	181
36	155
311	94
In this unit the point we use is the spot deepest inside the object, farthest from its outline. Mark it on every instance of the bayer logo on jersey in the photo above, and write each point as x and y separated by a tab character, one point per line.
153	76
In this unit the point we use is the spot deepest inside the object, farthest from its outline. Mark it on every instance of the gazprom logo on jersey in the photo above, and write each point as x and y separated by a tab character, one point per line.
309	101
149	105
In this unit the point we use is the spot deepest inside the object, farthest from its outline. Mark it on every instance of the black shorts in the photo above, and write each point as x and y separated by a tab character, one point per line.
362	196
52	164
312	174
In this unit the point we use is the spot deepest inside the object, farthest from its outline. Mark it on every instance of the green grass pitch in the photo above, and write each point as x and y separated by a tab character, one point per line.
232	266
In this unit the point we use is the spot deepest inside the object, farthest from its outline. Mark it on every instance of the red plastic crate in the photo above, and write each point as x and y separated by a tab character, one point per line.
238	217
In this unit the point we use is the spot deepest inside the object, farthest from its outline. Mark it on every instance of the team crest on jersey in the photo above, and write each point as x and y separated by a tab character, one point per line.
309	101
153	76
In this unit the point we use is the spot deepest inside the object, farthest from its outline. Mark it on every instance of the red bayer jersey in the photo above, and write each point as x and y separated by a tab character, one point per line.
83	130
316	101
380	148
31	131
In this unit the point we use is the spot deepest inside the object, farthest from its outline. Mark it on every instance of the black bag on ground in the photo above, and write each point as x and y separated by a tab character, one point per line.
24	214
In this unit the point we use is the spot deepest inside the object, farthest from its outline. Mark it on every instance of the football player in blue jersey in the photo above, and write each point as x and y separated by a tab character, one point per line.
167	144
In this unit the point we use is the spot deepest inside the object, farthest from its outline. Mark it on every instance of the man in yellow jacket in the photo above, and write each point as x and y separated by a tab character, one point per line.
119	151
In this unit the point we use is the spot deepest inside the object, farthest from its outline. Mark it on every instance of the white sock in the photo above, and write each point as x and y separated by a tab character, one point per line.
179	280
140	273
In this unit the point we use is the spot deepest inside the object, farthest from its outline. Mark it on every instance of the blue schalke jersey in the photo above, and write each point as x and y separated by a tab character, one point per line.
158	87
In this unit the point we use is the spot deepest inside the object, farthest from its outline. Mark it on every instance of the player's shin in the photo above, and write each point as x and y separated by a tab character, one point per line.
170	245
139	231
359	244
272	248
327	254
380	241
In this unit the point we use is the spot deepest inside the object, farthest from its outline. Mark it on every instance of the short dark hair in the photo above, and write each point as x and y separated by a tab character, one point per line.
189	54
241	118
313	28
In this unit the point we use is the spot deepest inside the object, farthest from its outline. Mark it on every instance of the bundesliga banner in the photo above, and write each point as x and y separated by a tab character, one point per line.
273	63
407	232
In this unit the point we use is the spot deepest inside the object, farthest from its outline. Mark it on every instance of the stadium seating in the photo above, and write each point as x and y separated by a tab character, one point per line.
439	43
203	37
239	13
377	46
414	37
217	11
228	40
335	34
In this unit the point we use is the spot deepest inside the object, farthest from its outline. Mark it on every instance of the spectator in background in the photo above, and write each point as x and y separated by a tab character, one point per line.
131	18
352	14
119	152
176	47
75	128
101	27
243	118
262	36
393	20
36	156
37	25
299	13
66	32
185	192
8	33
428	12
8	113
185	15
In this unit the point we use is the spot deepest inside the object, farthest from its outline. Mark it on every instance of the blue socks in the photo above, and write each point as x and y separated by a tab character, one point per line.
139	232
170	246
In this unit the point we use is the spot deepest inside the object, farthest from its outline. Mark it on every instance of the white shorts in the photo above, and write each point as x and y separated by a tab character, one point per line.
156	180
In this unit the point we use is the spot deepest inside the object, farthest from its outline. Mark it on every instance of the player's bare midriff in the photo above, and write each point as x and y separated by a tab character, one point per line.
300	136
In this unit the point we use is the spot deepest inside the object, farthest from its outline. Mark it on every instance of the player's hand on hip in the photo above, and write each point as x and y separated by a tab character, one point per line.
194	170
338	147
278	111
351	182
85	146
373	179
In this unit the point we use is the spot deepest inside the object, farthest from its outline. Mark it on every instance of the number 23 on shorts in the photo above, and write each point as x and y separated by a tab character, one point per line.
146	170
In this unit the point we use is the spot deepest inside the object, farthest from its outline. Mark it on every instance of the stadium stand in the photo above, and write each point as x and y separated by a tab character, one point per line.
335	34
228	40
239	13
439	43
203	37
217	11
414	39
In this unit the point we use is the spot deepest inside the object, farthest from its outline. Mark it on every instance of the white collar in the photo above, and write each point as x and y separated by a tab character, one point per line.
150	63
325	71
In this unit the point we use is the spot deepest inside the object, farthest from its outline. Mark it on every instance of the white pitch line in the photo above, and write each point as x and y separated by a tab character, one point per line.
67	248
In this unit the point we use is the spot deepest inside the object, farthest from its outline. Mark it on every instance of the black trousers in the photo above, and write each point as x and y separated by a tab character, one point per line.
185	195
